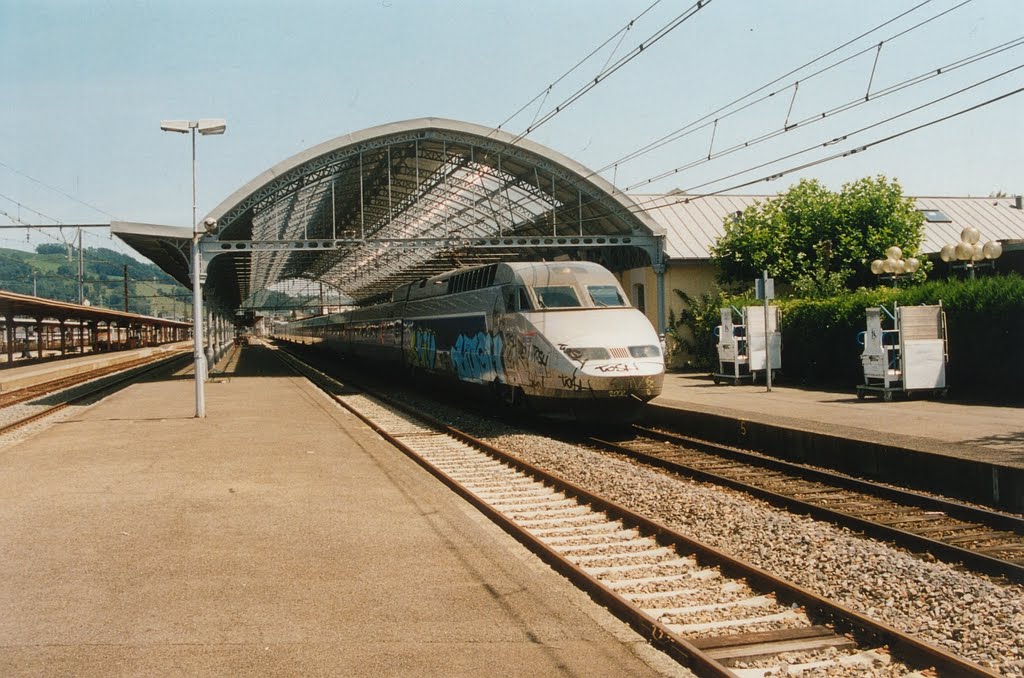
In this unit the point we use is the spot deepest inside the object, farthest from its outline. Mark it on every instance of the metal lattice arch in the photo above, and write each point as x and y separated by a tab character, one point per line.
366	212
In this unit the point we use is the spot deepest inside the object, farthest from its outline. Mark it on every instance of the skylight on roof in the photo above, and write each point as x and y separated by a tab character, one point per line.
935	216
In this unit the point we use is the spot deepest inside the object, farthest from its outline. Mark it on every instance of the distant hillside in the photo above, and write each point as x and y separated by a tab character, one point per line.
51	272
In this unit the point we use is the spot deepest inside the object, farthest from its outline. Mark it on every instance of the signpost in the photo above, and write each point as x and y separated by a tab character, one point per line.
765	288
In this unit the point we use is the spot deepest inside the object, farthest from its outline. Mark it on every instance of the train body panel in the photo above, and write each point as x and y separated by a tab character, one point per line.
559	335
585	353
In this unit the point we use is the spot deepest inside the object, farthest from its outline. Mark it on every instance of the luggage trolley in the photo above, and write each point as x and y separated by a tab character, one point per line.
741	348
909	357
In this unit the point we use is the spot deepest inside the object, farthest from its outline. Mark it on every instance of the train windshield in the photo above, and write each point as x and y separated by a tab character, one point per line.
605	295
557	296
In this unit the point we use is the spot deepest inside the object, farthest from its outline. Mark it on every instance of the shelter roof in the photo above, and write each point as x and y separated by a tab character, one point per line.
369	211
22	305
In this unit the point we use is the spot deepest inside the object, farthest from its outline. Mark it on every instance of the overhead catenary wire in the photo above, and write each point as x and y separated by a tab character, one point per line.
21	223
57	190
926	75
723	112
547	90
842	108
672	136
640	206
606	72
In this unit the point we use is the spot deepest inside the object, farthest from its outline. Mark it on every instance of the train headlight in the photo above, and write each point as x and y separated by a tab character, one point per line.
645	351
587	354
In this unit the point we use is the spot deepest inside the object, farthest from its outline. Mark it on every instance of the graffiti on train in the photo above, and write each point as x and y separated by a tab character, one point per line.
515	353
423	348
478	357
617	367
574	383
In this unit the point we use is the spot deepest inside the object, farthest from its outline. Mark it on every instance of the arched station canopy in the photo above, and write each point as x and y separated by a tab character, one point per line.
369	211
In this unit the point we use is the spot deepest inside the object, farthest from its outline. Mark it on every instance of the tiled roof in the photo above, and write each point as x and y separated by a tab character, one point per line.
693	223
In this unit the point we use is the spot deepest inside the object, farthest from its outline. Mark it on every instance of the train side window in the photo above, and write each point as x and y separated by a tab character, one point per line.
524	300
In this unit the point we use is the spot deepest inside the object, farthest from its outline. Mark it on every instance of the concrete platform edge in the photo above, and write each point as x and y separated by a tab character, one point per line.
982	482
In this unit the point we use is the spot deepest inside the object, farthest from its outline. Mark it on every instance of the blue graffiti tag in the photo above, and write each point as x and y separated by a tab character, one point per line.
478	358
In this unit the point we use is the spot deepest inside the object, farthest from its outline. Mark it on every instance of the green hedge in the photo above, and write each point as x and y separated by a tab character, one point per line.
985	327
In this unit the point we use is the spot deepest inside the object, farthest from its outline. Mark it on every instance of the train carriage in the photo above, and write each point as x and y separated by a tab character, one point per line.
559	336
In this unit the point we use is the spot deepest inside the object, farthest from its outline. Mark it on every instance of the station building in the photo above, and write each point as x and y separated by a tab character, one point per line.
692	224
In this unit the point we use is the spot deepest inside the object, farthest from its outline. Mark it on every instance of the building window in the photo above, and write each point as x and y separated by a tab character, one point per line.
935	217
639	297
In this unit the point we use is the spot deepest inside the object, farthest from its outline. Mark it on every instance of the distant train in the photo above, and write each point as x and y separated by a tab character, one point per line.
558	336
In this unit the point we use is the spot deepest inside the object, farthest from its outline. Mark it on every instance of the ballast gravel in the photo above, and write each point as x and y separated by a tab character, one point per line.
971	615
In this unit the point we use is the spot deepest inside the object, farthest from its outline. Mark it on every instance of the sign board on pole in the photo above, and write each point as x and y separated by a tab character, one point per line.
766	290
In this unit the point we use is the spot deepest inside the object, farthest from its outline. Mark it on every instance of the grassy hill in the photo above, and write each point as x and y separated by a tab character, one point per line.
51	272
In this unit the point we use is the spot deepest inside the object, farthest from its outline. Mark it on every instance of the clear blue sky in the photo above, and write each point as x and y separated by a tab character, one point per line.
87	82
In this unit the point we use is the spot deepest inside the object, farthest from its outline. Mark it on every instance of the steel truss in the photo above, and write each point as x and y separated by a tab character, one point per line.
372	214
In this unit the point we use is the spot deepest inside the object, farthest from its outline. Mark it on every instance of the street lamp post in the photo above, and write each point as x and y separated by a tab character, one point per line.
204	126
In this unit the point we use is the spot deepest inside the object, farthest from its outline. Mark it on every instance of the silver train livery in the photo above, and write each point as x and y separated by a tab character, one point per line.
558	336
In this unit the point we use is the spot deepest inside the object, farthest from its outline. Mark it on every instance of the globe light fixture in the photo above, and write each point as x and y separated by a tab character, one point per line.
894	265
969	253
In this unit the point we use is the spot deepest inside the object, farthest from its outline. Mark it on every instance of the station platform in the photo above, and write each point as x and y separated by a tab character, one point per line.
277	536
968	450
29	373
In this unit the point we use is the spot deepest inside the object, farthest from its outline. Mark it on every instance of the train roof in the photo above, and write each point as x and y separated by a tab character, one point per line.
528	273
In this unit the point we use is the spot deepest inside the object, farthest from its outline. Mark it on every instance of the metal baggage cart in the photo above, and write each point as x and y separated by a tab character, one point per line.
744	349
908	357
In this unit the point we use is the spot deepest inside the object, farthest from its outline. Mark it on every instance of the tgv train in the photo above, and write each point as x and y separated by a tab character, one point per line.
559	336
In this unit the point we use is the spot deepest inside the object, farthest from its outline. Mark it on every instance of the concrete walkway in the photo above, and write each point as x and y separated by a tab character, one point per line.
278	536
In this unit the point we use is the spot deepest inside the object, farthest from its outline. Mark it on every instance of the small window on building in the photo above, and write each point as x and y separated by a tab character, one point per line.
935	216
639	296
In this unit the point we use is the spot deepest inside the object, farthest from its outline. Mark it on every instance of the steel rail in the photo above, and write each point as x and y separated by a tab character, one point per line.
949	552
906	647
17	396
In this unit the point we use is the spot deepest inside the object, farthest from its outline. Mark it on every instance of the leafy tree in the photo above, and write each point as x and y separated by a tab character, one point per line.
692	331
818	241
51	248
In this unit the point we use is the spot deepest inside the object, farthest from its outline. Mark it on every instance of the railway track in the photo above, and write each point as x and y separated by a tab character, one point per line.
104	382
980	539
718	615
8	398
